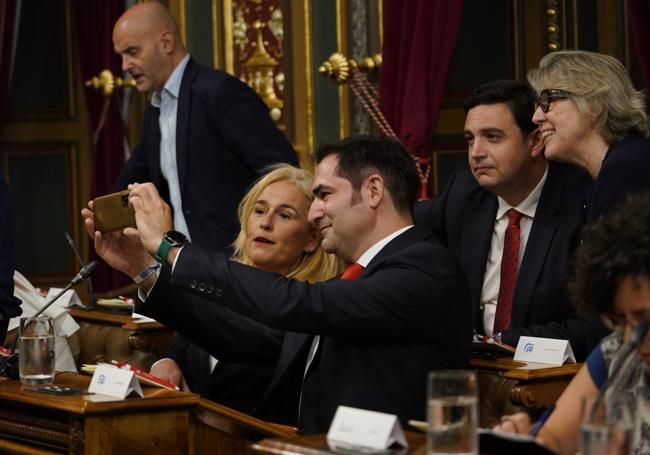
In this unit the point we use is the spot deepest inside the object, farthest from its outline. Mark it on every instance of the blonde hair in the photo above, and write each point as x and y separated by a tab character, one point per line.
600	88
315	266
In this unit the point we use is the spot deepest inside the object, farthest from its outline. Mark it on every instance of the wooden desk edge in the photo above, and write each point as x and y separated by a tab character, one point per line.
274	429
512	369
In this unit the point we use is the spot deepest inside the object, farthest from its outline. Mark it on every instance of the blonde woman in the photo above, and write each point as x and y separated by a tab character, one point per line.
590	115
275	236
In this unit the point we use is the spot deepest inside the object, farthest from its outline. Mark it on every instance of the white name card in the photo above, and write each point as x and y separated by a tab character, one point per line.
544	350
114	382
358	428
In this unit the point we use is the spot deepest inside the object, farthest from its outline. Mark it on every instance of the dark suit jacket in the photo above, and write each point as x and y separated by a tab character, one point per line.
625	170
463	218
408	314
224	140
238	385
9	305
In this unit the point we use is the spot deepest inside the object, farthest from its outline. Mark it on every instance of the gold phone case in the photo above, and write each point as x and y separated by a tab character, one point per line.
112	212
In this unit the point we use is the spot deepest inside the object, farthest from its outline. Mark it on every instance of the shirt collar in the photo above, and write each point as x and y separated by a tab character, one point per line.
528	206
371	252
173	84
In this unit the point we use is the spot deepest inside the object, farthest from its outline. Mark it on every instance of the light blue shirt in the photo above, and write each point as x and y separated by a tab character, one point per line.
167	101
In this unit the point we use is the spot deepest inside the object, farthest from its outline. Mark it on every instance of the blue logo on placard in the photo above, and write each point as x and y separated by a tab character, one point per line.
101	379
529	347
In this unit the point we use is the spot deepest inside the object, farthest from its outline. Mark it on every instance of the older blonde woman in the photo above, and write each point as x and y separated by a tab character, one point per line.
590	115
275	236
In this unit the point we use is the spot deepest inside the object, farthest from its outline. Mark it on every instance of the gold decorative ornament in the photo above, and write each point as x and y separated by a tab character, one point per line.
107	82
337	67
258	73
553	25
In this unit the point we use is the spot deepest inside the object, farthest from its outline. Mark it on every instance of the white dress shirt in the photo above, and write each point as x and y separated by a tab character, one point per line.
492	278
167	101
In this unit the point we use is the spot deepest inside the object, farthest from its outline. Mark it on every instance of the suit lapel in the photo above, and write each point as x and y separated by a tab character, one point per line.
294	348
478	227
544	227
183	120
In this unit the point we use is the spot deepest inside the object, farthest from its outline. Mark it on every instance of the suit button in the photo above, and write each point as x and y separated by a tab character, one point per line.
188	211
218	292
210	289
193	284
202	287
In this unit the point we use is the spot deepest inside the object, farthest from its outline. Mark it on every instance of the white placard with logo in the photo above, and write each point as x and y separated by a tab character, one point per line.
360	428
114	382
544	350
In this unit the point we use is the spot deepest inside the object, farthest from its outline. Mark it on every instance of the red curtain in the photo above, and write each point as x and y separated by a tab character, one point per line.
639	21
93	23
7	28
419	40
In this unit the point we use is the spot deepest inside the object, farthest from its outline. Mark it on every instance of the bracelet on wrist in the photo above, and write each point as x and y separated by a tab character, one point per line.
140	277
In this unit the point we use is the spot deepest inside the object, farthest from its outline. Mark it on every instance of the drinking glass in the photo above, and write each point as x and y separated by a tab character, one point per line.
452	412
36	350
607	426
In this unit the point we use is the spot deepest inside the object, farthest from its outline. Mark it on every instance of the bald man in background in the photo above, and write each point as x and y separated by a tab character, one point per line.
206	136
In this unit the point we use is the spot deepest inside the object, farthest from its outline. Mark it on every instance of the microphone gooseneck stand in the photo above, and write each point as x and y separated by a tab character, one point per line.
9	365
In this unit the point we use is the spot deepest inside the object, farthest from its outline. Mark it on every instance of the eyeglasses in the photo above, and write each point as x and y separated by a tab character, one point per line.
546	97
613	320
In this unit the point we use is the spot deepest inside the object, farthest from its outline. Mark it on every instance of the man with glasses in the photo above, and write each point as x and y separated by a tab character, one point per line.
512	220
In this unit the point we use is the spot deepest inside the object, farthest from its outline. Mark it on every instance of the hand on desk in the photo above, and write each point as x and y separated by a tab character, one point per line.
168	370
518	423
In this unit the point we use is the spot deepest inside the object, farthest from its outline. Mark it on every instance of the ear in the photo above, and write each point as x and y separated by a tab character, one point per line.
167	42
313	242
373	189
535	143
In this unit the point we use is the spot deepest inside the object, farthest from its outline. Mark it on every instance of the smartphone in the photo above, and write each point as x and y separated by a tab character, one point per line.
112	212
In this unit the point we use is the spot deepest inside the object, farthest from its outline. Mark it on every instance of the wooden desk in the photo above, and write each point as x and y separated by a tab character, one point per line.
535	387
33	422
144	336
506	386
220	429
317	445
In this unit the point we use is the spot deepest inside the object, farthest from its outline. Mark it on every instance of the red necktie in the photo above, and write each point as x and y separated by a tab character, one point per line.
509	264
352	272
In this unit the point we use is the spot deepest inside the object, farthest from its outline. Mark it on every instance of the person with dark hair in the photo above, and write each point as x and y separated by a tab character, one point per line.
366	340
9	305
611	278
512	220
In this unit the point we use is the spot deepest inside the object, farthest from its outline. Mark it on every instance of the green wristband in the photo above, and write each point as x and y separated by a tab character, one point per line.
163	250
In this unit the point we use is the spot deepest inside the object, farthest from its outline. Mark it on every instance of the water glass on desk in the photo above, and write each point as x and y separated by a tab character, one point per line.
452	413
607	425
36	350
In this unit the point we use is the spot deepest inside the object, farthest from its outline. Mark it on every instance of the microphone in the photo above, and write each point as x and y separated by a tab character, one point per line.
89	284
9	365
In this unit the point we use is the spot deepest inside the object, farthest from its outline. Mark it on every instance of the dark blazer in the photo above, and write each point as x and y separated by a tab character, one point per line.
463	219
9	305
625	170
224	140
408	314
238	385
